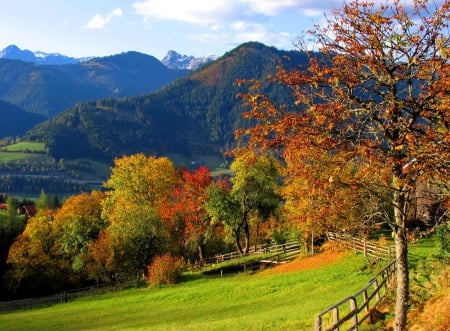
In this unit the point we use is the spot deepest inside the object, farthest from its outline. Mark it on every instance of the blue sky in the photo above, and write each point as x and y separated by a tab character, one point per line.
193	27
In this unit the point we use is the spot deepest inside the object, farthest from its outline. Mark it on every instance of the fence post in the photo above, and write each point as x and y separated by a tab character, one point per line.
353	309
318	326
377	289
366	301
335	315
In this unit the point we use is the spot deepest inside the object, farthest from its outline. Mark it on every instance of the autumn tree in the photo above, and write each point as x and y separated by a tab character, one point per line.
319	193
136	188
36	263
185	209
377	91
77	224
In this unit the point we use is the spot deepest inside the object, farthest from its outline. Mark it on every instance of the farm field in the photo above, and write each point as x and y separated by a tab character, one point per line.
269	300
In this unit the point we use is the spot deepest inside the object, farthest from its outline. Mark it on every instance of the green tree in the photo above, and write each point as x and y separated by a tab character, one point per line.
254	192
11	210
43	201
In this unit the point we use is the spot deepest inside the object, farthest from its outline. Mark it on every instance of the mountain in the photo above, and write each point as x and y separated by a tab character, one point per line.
13	52
50	89
174	60
196	114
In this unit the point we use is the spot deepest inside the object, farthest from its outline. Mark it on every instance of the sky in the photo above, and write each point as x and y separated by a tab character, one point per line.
85	28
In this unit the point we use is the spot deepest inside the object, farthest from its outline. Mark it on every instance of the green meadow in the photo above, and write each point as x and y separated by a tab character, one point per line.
287	301
26	146
260	301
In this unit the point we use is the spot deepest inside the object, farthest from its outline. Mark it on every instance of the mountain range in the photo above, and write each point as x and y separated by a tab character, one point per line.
195	114
172	60
107	107
13	52
47	90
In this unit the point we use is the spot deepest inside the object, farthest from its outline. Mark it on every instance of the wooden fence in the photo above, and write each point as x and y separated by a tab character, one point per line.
290	246
350	312
363	245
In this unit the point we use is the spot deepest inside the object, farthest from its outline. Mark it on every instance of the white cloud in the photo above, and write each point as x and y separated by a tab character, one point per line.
195	11
241	32
99	22
211	12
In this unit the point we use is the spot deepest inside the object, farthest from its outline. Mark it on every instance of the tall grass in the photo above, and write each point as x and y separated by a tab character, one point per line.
286	301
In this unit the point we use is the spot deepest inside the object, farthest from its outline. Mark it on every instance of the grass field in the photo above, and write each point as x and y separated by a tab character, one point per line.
264	301
26	146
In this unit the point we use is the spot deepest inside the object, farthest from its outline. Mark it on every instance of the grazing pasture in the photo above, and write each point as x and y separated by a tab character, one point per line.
263	301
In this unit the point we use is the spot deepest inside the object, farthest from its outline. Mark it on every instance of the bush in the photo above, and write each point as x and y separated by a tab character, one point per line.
443	239
165	269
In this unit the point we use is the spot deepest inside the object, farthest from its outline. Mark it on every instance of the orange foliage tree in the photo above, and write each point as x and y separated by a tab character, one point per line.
378	91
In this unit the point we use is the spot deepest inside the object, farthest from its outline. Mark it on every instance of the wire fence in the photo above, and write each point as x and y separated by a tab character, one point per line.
66	296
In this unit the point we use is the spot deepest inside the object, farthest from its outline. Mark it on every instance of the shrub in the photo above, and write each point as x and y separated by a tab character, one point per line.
443	239
165	269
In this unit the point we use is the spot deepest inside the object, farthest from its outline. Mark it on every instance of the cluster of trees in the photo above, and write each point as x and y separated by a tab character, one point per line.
148	208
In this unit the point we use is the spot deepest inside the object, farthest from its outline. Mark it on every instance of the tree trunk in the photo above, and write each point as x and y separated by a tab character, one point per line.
401	255
237	240
200	251
246	237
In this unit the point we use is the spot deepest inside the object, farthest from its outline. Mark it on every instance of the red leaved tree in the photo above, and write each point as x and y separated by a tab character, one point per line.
185	212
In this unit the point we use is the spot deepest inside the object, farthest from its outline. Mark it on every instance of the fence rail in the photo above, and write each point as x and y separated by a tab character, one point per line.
290	246
363	245
350	312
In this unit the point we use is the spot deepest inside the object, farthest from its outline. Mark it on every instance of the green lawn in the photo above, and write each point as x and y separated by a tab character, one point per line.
244	302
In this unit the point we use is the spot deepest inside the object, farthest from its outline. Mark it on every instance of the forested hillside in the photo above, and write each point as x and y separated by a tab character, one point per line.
195	114
50	89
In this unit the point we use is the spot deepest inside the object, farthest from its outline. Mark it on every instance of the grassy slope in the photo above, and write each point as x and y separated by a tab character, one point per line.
26	146
266	301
